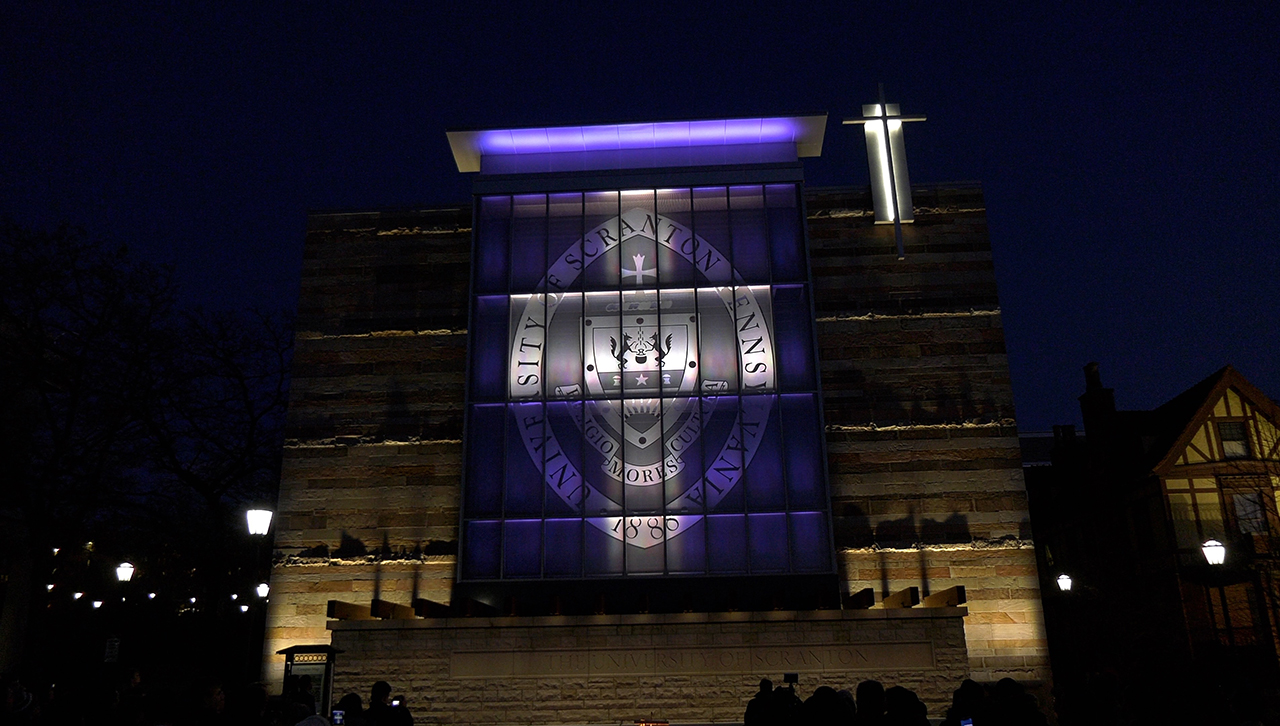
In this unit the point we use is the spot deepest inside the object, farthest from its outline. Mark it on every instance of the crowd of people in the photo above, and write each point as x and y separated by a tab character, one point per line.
1006	704
207	702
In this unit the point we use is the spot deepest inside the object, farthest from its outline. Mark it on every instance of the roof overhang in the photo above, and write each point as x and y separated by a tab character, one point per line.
470	148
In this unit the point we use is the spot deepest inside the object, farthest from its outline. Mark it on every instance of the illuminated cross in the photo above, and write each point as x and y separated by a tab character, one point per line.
640	270
887	158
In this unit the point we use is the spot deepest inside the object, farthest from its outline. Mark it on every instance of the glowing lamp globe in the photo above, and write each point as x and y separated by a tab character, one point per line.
1214	552
244	608
97	604
263	589
259	520
124	572
1064	582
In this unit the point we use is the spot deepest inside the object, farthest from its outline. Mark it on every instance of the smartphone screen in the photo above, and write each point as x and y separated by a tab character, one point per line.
338	717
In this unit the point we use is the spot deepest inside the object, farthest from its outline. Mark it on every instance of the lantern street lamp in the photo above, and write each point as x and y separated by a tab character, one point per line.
124	572
263	589
259	520
77	595
1064	582
244	608
97	604
1214	552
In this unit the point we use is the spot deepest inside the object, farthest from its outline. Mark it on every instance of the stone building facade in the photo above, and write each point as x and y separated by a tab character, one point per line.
923	465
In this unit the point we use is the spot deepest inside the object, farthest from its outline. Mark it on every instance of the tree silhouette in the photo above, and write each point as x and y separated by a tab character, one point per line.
123	415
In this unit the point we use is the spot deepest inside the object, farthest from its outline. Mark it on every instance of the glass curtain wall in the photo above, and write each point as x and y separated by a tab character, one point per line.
643	391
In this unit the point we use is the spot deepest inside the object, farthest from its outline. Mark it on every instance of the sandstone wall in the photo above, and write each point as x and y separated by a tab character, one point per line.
923	460
691	667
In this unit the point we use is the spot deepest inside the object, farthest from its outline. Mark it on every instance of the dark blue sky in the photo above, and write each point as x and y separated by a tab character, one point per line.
1130	157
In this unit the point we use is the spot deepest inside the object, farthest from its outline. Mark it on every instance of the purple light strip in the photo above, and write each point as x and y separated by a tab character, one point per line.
640	136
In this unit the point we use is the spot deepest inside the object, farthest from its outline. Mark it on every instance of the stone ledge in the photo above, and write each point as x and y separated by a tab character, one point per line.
575	621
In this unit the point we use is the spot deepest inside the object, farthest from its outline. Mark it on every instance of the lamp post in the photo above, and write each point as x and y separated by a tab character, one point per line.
124	572
1214	552
258	520
1064	582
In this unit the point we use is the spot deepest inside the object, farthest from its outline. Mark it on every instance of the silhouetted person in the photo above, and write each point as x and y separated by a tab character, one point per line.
1010	705
903	708
969	701
305	695
826	708
870	703
291	710
352	710
400	715
379	711
760	707
213	705
787	707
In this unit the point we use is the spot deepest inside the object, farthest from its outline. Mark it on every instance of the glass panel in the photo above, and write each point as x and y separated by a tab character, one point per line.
522	548
785	235
528	241
765	488
1235	443
604	553
727	543
638	230
483	550
1251	513
601	251
803	441
603	448
674	222
525	432
711	250
717	344
810	547
683	424
485	460
648	559
793	337
528	344
604	348
722	455
750	233
564	547
564	490
687	550
768	534
564	364
564	242
752	320
493	225
489	348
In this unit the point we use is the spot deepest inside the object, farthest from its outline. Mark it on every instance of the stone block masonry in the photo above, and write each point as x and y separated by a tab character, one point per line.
692	667
923	460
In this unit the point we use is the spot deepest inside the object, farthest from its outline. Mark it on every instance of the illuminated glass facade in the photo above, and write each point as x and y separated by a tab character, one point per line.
643	387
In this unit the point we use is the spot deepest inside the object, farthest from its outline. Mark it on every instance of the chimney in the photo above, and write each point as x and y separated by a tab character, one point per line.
1097	406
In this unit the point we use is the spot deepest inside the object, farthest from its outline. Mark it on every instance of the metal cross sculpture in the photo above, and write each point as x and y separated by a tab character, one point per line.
887	158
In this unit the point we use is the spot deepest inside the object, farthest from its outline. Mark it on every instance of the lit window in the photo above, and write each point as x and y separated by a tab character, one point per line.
1235	441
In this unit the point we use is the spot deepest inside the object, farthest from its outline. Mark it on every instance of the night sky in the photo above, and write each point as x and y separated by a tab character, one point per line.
1130	157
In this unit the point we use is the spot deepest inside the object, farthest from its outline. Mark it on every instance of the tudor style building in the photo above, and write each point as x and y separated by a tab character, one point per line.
1125	512
650	420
